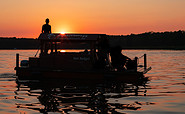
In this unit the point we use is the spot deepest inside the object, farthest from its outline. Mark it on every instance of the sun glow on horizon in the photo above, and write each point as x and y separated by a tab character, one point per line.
62	32
123	17
63	51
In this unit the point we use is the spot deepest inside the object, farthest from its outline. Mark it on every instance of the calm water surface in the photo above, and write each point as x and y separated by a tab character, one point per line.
164	93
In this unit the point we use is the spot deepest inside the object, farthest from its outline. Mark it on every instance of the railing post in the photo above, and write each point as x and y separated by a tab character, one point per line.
17	60
51	45
136	61
145	62
55	47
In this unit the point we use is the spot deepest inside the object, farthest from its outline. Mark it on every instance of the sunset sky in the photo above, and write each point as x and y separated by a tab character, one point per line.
24	18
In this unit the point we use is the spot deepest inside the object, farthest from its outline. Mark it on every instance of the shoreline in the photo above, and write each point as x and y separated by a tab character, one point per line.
122	49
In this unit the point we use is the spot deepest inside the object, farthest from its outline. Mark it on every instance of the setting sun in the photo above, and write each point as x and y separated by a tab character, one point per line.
62	32
62	51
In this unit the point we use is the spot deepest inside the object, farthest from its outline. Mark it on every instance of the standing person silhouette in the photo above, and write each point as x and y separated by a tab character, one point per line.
46	28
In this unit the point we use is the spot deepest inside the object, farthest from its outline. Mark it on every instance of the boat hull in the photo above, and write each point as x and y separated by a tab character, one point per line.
35	74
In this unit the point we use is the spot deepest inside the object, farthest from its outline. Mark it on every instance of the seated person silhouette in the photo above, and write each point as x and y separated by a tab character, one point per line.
86	51
46	28
131	64
118	59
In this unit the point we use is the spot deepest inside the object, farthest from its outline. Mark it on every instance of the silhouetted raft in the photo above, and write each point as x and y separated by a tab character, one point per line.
92	64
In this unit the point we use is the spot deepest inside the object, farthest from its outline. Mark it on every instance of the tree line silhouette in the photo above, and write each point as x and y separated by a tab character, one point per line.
150	40
147	40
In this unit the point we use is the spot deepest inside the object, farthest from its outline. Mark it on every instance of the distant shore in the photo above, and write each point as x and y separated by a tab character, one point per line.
149	40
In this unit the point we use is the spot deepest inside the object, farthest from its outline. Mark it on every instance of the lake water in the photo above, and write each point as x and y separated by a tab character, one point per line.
164	93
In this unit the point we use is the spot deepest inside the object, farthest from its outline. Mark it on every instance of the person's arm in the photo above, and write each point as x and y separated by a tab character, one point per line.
50	30
126	58
42	29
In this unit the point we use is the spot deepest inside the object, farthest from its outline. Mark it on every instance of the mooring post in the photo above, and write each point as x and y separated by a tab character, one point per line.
145	62
17	60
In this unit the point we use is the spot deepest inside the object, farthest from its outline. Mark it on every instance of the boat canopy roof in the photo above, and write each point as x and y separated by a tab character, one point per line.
70	37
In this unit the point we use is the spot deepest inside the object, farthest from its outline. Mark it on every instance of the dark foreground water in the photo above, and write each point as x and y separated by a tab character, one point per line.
164	93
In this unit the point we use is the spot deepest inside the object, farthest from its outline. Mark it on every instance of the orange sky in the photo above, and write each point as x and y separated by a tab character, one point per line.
24	18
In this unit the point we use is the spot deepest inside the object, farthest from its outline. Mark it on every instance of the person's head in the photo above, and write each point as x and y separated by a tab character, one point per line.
115	50
47	21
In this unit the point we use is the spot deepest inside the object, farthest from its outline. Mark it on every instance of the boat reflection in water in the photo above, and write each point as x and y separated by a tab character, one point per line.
67	96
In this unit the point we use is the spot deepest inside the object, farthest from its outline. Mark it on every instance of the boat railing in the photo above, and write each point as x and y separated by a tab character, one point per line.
142	64
22	60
